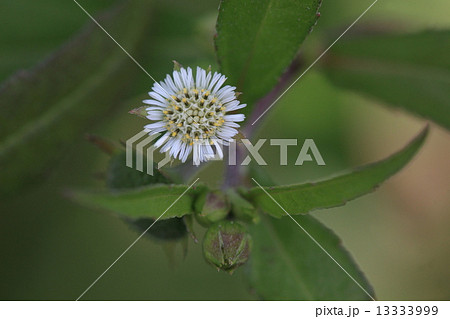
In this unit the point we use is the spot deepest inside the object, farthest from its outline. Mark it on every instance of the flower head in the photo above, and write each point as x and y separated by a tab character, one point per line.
193	114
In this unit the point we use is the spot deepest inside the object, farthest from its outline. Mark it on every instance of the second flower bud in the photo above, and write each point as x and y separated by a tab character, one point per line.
211	207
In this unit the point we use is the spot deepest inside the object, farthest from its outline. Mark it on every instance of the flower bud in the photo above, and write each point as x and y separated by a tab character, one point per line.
227	245
211	207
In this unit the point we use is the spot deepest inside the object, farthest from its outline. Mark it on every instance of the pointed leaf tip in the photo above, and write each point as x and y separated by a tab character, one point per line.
140	111
176	66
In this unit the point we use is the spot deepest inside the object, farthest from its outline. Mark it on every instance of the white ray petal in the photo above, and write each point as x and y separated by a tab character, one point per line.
234	117
177	79
162	140
234	105
154	102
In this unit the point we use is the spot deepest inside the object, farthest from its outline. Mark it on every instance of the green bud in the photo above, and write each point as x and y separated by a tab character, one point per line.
241	208
119	176
211	207
227	245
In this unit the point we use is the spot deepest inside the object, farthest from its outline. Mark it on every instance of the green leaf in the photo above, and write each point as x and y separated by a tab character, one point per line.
411	71
146	202
303	198
257	40
44	110
286	264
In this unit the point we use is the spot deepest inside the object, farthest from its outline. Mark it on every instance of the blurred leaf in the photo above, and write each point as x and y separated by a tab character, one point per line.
121	177
411	71
287	265
30	33
173	229
43	110
257	40
145	202
303	198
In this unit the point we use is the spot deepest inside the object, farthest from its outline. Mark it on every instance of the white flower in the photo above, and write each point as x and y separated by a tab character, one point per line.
193	114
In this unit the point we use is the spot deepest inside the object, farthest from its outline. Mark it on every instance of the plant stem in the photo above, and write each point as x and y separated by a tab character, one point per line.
263	104
235	174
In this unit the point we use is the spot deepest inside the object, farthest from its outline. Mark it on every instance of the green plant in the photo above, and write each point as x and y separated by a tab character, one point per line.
257	46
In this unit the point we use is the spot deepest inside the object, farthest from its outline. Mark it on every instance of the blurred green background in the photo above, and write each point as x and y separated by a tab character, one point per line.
52	248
